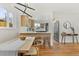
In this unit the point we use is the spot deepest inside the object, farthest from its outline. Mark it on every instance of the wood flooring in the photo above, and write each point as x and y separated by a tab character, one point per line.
60	50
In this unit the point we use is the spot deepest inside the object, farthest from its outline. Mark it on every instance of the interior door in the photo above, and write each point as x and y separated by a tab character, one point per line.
56	31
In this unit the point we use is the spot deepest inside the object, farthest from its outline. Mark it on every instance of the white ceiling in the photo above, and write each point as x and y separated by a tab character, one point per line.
46	10
60	7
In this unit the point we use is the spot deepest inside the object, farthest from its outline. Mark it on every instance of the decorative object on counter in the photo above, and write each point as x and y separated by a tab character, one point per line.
24	11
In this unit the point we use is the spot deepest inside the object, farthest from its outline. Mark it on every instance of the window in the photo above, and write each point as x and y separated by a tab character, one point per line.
5	18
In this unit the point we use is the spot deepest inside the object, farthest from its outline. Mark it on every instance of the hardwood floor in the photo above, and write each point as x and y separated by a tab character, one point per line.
60	50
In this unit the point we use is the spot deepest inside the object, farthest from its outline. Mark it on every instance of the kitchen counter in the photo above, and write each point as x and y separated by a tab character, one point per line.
34	32
44	35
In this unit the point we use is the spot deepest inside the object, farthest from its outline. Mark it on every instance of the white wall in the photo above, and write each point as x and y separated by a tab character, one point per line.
74	19
61	11
9	33
45	11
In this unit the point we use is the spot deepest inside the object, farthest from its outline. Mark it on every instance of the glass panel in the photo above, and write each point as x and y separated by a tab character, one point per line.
41	27
3	12
5	18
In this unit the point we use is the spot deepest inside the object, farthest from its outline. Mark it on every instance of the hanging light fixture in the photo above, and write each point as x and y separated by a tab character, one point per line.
26	7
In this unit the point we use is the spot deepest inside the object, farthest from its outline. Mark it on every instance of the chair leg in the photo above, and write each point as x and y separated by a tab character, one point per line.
48	42
73	39
77	39
62	40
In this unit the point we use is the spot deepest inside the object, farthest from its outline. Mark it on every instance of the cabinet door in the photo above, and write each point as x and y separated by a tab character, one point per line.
32	25
24	21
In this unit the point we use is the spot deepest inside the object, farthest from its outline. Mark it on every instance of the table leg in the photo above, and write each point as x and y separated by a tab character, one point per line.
44	42
49	44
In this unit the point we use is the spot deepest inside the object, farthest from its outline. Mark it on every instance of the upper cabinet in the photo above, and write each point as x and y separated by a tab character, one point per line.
27	22
24	21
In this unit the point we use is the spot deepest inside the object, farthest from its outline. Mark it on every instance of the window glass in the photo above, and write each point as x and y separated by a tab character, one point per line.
3	13
5	18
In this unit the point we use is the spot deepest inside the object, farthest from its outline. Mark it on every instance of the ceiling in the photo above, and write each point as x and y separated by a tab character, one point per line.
49	9
46	10
58	7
